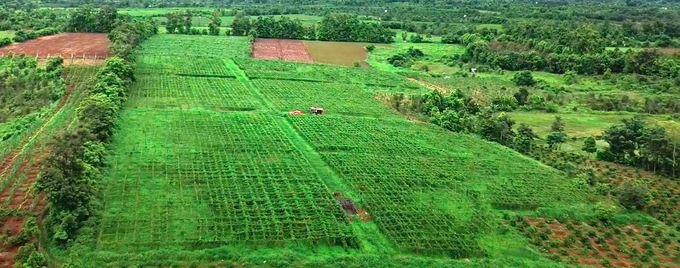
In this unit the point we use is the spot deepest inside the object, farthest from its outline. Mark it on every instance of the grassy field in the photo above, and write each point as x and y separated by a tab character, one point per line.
433	55
207	168
339	53
9	34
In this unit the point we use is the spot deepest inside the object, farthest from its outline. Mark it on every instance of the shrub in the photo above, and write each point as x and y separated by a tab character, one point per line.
634	194
524	78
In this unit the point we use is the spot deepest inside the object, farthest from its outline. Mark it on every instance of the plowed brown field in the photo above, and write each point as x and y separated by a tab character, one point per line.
281	49
78	45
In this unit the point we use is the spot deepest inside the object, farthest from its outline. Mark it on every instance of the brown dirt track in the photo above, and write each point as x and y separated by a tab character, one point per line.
64	45
281	49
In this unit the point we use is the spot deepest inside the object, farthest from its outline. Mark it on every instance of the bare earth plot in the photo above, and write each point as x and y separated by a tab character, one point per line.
77	45
281	49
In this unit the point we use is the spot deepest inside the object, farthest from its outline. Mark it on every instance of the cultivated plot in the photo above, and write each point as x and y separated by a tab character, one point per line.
78	45
403	171
299	95
340	53
198	179
266	69
203	46
200	66
176	92
281	49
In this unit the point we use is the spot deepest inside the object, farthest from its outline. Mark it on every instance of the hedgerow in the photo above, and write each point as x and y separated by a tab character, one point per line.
70	174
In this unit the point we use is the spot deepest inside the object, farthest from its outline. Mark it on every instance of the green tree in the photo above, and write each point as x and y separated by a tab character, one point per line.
634	194
557	135
497	128
215	23
105	19
524	78
522	96
589	145
81	20
370	47
570	78
525	138
187	21
174	22
241	25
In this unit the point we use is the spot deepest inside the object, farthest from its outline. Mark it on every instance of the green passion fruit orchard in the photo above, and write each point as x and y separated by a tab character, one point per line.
208	168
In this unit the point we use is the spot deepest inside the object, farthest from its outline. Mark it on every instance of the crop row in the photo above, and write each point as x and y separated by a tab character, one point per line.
191	92
186	178
266	69
205	66
334	98
401	170
388	137
189	46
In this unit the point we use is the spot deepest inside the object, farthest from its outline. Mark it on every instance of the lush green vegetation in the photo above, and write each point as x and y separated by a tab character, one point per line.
484	134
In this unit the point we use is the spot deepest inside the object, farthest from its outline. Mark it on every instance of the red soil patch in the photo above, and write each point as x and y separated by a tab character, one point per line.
610	247
281	49
7	253
78	45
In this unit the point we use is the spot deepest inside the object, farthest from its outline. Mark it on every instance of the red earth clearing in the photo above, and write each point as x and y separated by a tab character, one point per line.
19	198
281	49
78	45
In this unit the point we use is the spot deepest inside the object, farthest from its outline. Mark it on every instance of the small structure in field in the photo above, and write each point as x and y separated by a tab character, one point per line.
346	203
296	112
473	70
316	110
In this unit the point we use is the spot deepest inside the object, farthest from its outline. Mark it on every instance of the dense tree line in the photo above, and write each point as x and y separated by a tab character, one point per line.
70	174
92	20
637	143
644	62
34	19
333	27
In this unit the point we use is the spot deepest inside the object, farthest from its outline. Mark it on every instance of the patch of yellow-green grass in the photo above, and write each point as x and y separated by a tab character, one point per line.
431	39
8	34
339	53
579	125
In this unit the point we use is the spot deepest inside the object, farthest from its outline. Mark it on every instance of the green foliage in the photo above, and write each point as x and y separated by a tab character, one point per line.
27	89
370	47
407	58
634	194
89	19
348	28
70	174
557	135
524	78
28	256
589	145
636	143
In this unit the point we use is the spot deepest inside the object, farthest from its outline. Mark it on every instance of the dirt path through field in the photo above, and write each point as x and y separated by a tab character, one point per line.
429	86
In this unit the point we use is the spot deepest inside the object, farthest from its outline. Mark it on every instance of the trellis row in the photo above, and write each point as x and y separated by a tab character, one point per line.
252	186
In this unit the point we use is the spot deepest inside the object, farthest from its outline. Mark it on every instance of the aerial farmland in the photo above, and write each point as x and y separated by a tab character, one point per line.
358	136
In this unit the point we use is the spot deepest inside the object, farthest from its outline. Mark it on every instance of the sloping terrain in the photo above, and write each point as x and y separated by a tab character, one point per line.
213	170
